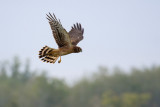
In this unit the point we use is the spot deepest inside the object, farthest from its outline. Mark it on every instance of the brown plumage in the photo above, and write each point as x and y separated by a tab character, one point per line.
67	42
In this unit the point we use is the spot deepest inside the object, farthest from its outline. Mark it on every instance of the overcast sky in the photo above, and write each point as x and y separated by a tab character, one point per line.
122	33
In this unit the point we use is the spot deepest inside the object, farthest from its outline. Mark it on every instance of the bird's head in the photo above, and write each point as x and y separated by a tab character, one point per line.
77	49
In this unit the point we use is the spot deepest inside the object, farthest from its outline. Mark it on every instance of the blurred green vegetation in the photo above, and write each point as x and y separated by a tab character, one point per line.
27	88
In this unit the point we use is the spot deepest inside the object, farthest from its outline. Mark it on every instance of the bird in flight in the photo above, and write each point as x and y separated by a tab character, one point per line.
66	41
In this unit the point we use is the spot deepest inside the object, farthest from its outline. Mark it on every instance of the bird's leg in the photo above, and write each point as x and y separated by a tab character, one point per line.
59	60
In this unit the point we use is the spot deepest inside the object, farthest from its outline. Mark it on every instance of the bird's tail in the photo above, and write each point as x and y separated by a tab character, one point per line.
43	55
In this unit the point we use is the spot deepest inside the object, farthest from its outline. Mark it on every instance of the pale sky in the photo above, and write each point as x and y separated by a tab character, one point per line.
122	33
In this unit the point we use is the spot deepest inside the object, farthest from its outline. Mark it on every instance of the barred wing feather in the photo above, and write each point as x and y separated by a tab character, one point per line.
60	34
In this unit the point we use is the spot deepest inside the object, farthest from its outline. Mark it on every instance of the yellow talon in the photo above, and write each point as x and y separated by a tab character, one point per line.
59	60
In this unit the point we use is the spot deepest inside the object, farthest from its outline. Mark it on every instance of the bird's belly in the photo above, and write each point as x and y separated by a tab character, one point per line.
65	53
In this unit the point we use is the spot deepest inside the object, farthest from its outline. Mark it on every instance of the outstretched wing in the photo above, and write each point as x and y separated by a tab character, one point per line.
60	34
76	34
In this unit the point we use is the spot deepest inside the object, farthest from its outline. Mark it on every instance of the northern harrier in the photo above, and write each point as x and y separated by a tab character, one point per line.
66	41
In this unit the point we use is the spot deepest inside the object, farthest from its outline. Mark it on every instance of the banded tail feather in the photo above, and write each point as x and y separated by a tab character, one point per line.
43	55
50	59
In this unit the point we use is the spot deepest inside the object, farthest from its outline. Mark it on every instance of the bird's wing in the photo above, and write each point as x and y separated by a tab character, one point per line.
76	34
61	36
